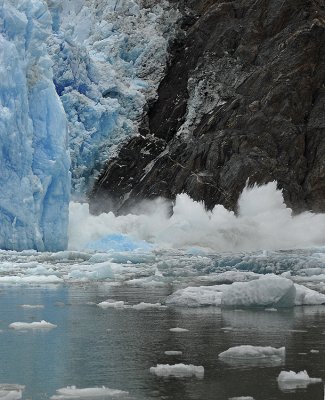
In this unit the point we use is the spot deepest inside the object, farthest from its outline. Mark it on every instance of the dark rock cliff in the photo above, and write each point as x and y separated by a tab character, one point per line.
243	98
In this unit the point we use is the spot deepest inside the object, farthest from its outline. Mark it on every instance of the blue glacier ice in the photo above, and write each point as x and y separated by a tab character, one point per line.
109	57
34	161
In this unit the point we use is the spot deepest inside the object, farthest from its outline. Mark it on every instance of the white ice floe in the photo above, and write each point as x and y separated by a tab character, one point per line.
306	296
72	392
290	380
11	391
254	355
242	398
178	370
269	291
32	306
34	279
314	351
32	325
173	353
146	306
178	329
113	304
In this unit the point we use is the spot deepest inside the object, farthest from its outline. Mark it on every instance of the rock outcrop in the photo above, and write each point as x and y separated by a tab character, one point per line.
243	98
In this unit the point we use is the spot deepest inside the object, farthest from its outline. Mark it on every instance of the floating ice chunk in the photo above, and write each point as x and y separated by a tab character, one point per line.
178	370
72	392
178	329
254	355
145	306
314	351
269	291
306	296
11	391
31	306
242	398
290	380
113	304
32	325
39	279
173	353
197	296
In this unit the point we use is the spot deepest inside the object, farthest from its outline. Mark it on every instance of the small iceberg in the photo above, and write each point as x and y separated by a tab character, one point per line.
290	380
32	325
72	392
253	355
178	370
11	391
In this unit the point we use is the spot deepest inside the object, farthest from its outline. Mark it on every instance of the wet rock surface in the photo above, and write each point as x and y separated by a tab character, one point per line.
243	99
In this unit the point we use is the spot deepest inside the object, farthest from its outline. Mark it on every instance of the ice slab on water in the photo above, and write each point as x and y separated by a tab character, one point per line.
72	392
177	329
241	398
264	292
178	370
11	391
268	291
173	353
253	355
290	380
32	325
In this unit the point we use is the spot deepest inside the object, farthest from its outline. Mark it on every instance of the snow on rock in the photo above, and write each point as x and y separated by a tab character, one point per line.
32	325
34	165
290	380
254	355
178	370
72	392
11	391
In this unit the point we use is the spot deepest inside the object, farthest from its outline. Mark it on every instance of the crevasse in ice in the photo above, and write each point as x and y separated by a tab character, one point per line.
34	161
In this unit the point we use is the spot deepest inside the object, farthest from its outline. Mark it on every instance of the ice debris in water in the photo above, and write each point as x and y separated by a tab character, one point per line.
178	329
253	355
290	380
110	303
241	398
173	353
146	306
267	291
31	306
72	392
32	325
178	370
11	391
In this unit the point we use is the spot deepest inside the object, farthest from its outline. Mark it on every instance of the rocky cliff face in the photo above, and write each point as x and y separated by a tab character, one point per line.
243	98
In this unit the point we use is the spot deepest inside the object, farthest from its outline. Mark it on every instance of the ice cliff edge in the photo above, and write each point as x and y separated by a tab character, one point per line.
34	161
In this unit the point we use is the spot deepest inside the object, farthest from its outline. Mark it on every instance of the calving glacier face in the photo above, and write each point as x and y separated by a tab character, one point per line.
34	163
109	57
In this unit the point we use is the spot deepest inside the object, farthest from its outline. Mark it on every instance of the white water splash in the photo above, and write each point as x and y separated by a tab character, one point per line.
263	222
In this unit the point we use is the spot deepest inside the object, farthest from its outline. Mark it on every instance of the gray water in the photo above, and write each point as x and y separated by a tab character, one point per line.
94	347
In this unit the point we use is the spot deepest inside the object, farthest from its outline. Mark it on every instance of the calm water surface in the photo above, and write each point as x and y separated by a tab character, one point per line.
94	347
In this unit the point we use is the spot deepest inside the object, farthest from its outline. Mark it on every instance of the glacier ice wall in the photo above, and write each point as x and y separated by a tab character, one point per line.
109	57
34	160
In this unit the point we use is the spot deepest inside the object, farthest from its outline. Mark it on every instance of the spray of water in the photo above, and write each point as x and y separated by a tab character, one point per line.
263	222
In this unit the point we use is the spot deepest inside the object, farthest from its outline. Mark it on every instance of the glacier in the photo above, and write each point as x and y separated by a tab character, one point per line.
109	58
34	162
